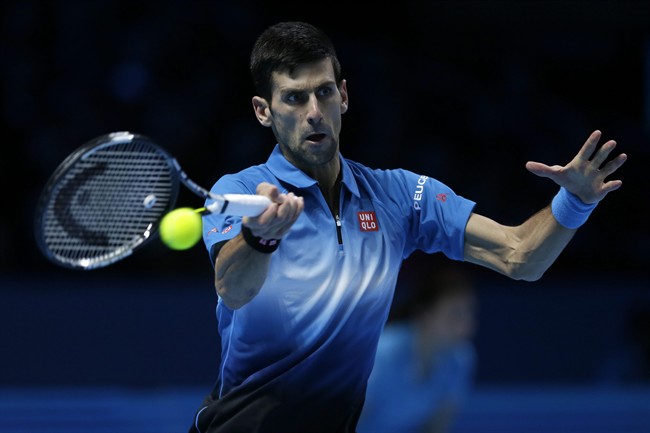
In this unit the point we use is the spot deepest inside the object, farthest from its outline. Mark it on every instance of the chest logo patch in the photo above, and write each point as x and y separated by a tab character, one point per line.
368	221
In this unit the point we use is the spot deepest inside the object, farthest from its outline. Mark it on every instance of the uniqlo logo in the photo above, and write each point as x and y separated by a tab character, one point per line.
368	221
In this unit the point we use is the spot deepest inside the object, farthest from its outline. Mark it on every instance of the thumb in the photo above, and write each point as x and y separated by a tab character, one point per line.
539	169
269	190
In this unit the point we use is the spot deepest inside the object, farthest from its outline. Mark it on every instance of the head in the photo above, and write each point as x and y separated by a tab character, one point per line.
300	93
285	46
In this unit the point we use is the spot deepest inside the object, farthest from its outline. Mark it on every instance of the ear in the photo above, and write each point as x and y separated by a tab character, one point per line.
260	106
343	89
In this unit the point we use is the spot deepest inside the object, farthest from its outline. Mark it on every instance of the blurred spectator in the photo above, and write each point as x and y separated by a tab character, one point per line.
426	359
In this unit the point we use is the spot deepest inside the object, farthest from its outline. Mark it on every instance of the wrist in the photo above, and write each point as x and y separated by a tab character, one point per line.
266	246
569	210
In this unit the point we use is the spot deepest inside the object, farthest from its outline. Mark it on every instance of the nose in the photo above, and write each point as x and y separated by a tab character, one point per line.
314	115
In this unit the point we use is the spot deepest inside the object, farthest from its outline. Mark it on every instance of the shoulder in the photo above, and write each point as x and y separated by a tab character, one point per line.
245	180
382	183
361	170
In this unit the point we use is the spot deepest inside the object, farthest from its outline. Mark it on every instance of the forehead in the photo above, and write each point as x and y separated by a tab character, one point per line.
304	76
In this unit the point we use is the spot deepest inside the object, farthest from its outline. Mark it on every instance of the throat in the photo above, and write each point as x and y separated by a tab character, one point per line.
332	195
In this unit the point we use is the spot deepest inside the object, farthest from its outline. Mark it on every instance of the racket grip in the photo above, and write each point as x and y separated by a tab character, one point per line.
240	204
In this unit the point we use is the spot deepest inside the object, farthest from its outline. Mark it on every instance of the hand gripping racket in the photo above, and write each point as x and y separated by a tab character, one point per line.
106	199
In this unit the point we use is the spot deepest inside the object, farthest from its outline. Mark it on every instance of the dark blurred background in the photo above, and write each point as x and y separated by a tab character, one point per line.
463	91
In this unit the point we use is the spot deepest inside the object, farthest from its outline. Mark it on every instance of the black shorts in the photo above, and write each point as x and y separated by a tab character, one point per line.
260	412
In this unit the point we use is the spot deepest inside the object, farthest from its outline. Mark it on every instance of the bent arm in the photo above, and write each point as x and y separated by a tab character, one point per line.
240	269
240	272
523	252
526	251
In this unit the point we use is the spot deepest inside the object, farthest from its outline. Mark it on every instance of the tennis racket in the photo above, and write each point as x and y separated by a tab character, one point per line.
106	199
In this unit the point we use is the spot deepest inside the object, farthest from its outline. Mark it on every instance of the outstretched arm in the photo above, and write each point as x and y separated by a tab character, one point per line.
528	250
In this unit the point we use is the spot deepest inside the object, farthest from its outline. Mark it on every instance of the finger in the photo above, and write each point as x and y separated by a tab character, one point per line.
283	209
614	164
288	213
612	185
265	218
588	148
296	209
269	190
300	207
292	209
279	228
602	153
285	203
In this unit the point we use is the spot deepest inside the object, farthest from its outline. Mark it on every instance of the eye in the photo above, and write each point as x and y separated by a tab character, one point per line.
295	97
325	91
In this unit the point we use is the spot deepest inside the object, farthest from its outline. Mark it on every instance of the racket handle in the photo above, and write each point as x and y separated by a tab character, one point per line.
239	204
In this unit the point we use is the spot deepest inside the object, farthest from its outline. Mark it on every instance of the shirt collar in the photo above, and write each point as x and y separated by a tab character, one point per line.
289	173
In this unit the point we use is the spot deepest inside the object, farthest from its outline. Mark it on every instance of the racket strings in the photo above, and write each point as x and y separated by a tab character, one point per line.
107	202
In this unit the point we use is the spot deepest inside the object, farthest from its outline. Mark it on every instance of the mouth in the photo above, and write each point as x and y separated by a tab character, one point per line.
316	138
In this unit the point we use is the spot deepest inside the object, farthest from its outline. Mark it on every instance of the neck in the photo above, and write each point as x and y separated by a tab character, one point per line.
327	175
331	190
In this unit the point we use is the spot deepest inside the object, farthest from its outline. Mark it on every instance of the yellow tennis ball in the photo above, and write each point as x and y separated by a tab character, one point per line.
181	228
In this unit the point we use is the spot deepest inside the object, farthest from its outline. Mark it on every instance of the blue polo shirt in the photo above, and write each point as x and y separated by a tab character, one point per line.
299	354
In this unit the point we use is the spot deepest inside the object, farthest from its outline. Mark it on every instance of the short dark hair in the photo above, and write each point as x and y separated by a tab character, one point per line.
283	47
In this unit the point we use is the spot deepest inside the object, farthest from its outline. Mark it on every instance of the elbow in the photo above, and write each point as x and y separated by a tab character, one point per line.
530	277
525	272
238	283
234	300
525	265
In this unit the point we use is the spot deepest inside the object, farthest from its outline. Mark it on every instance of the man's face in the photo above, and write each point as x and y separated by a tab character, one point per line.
305	115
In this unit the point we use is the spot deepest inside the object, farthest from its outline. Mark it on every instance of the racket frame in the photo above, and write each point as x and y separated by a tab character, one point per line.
54	184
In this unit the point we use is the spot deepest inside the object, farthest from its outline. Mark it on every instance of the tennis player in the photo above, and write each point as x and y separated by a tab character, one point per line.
305	288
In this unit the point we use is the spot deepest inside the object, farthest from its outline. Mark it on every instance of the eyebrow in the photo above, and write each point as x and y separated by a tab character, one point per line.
288	89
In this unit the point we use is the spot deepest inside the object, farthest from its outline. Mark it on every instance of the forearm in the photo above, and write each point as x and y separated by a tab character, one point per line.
541	239
522	252
240	272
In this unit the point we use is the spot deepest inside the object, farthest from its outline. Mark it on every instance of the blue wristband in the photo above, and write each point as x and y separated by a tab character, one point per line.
569	210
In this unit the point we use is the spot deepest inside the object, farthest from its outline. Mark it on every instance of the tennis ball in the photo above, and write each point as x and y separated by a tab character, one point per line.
181	228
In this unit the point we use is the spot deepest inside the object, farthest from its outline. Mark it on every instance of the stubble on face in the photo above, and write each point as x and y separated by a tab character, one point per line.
306	112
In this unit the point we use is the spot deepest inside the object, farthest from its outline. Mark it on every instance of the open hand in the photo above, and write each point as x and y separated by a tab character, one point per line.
585	175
